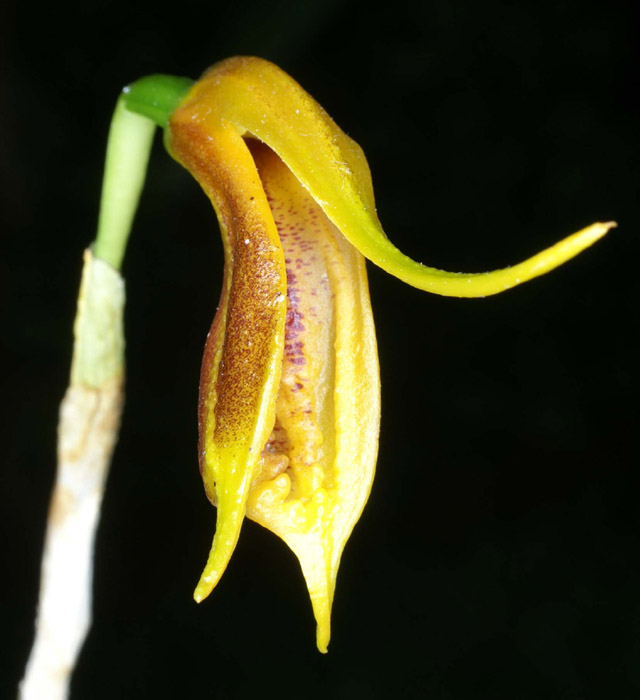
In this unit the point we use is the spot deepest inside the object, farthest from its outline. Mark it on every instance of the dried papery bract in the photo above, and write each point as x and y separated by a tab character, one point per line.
87	433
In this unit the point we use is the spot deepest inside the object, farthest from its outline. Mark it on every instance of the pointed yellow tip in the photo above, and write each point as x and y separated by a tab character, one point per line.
228	524
588	236
322	640
608	225
207	582
559	253
488	283
321	600
319	573
202	591
322	612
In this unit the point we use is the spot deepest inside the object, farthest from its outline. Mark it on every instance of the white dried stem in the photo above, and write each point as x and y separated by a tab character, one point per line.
87	432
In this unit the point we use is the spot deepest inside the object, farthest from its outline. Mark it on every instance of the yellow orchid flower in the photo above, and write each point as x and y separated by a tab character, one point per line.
289	393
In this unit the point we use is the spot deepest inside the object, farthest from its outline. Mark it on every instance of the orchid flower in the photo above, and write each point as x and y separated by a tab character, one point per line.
289	393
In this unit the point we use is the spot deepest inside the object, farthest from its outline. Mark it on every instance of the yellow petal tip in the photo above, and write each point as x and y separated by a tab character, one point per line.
322	642
205	585
322	612
488	283
200	594
224	542
320	577
588	236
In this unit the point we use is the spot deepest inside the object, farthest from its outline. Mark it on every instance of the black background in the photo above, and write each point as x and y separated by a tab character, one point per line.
498	556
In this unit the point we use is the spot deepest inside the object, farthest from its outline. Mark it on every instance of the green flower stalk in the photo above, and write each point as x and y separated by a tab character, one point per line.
289	393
